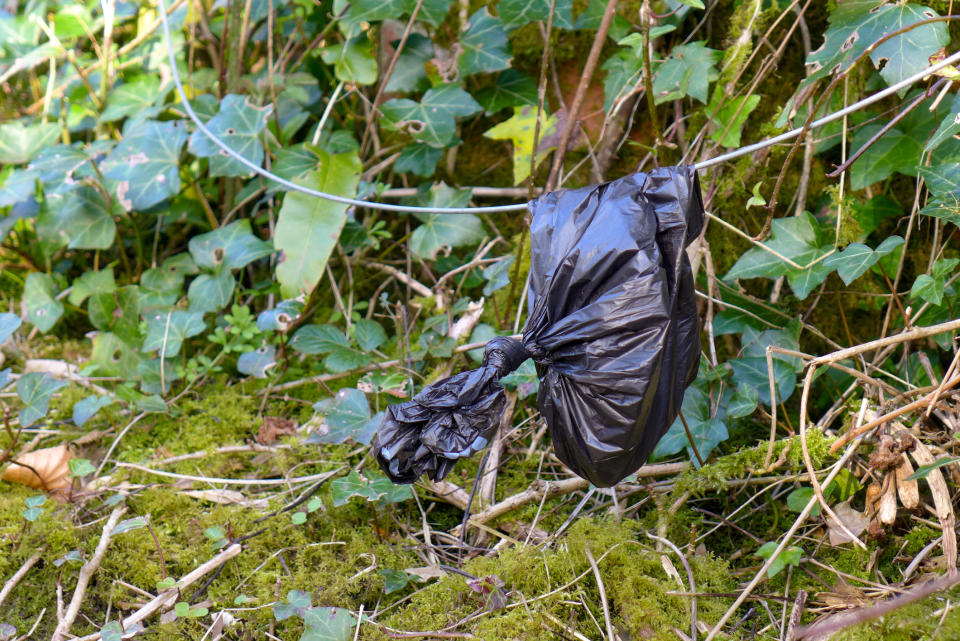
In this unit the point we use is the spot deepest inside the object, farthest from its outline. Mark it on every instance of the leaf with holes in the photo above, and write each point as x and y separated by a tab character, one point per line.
520	131
485	45
225	248
308	228
146	164
39	306
238	124
21	143
855	26
166	332
35	390
433	119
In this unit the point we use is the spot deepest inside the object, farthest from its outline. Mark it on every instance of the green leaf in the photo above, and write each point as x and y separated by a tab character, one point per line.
944	267
226	248
35	390
924	470
8	325
410	73
753	372
39	306
21	143
346	487
347	416
84	410
948	128
520	130
394	580
238	124
328	624
744	402
85	217
729	120
89	283
130	98
843	486
308	228
858	24
445	230
61	167
687	72
352	60
857	258
80	467
257	362
516	13
369	334
696	409
928	289
418	158
789	556
797	500
166	332
895	151
166	584
117	312
146	164
512	89
485	45
324	339
209	293
433	119
298	518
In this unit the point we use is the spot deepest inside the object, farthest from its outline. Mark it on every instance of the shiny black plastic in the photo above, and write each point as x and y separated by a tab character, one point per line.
612	328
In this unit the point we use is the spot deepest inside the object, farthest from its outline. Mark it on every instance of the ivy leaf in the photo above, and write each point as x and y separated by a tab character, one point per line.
227	248
166	332
369	334
146	164
949	126
347	416
130	98
328	624
352	60
308	228
516	13
257	362
8	325
394	580
21	143
744	402
753	372
89	283
790	556
855	26
512	89
485	45
84	410
35	390
696	409
928	289
410	73
433	119
60	168
324	339
85	217
117	312
623	71
211	292
857	258
418	158
497	275
520	131
238	124
39	305
129	525
895	151
729	120
444	230
687	72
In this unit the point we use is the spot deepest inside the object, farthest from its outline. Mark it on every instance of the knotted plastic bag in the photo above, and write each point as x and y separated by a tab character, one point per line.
612	328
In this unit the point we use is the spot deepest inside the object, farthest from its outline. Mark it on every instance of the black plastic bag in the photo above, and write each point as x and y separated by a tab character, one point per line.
612	328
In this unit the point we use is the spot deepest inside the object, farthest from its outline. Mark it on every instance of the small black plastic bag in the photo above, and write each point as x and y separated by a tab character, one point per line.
612	327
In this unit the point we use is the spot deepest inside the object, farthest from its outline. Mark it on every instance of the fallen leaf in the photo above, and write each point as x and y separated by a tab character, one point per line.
224	497
428	572
50	468
854	520
274	427
907	489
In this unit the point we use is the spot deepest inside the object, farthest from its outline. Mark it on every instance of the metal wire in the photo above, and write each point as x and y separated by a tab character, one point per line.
407	209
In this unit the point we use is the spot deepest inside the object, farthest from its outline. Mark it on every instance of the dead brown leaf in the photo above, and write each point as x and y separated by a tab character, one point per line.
45	469
273	428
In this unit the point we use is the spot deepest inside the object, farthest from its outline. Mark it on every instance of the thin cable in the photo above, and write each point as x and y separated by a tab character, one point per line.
736	153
